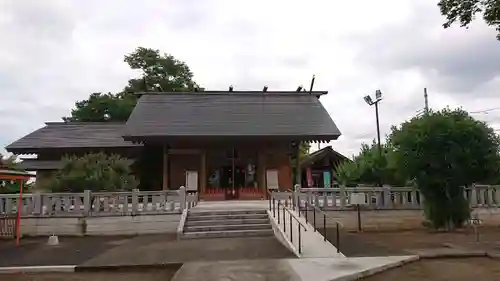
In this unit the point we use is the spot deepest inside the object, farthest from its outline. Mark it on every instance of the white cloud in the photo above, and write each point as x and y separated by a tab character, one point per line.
55	53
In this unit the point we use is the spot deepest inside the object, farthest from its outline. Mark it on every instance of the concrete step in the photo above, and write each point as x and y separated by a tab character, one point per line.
227	227
229	233
226	212
197	217
227	222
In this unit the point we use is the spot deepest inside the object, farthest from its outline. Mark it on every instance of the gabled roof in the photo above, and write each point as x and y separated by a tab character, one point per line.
231	114
320	154
71	135
37	165
40	165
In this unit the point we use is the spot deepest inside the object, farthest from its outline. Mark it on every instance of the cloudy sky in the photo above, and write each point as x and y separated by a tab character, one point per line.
53	53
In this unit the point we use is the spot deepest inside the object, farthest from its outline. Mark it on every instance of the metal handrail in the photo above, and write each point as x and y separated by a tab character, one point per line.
272	206
294	216
338	224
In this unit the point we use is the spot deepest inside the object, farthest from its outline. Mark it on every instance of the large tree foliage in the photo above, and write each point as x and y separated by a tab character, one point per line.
369	167
443	152
95	172
465	11
160	72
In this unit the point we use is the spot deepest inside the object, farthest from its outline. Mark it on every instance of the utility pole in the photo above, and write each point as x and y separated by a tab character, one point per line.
426	108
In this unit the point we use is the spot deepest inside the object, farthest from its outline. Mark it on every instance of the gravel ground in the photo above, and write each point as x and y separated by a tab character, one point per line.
480	269
373	243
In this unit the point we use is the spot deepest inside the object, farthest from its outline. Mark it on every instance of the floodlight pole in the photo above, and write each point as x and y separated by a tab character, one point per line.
378	129
369	101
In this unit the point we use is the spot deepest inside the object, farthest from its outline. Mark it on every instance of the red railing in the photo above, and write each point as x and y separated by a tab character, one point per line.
251	193
213	193
242	193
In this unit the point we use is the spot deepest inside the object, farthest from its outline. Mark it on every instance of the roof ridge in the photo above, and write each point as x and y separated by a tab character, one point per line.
59	123
225	92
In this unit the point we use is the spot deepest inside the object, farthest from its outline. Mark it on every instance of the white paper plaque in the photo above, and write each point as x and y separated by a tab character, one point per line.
358	198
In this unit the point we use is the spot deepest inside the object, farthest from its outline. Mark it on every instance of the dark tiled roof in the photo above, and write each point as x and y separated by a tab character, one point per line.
72	135
223	114
320	154
37	165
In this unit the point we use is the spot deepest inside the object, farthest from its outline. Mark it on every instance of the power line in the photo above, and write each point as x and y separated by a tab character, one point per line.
485	111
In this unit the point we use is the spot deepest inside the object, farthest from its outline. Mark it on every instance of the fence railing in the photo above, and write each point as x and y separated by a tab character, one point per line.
388	197
320	224
289	201
90	203
280	207
7	226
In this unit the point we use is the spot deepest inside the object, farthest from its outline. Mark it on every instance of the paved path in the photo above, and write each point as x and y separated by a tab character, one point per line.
34	251
256	270
146	249
154	250
306	269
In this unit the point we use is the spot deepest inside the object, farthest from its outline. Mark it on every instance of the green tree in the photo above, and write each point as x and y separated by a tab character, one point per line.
160	72
369	168
304	149
444	152
94	171
465	11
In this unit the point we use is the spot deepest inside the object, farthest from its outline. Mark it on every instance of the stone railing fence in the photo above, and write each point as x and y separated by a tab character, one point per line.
99	203
383	198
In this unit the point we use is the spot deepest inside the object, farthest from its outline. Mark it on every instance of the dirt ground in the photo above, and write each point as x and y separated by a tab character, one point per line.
149	275
480	269
401	242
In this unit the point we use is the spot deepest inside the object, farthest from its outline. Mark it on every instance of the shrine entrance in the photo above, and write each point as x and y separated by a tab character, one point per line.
232	174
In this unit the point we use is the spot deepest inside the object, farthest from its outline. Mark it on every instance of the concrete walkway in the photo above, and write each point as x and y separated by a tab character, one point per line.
137	250
307	269
245	270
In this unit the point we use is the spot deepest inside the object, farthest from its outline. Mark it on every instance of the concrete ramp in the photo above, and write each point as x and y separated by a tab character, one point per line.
244	270
306	269
313	245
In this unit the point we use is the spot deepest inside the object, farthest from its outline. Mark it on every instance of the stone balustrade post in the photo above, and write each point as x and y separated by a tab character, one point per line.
342	196
296	196
387	196
87	202
182	197
135	202
473	196
491	196
37	204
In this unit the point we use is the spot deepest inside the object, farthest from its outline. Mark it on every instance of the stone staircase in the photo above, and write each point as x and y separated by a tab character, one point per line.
227	223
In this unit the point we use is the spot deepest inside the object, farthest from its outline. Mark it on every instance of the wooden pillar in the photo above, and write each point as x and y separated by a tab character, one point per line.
165	168
261	172
203	172
298	170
